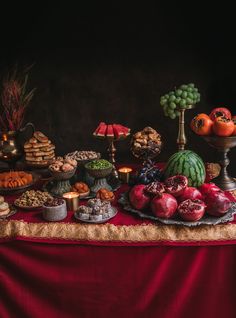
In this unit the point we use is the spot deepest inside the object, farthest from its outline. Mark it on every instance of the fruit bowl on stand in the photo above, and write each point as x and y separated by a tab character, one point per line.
99	174
223	146
112	133
174	105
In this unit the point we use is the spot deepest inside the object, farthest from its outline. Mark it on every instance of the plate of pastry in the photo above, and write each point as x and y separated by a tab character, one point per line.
6	209
96	211
83	190
17	181
32	199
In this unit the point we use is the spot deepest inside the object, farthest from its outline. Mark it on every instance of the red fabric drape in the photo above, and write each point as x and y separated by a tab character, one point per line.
40	280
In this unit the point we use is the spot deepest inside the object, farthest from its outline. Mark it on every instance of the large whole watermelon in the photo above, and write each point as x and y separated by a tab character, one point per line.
189	164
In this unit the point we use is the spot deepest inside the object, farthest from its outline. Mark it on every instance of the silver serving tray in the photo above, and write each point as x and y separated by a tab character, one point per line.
206	220
115	211
8	191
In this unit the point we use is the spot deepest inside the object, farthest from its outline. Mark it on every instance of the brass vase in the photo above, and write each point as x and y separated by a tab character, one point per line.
11	148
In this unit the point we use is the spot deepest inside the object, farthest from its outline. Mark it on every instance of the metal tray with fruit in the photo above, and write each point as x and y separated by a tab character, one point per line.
206	219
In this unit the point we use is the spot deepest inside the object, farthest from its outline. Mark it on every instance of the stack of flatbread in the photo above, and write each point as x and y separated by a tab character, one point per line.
39	151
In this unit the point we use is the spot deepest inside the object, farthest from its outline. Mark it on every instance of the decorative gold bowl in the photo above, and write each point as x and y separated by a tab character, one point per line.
223	145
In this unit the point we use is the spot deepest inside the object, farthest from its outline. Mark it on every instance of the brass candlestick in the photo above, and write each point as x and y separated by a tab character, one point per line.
223	145
111	152
182	140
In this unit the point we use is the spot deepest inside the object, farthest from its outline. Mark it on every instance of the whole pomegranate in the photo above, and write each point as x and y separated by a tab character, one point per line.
217	203
155	188
191	210
138	198
207	188
176	185
164	206
190	193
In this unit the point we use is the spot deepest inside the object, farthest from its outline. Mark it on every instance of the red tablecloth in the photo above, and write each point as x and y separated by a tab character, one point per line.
154	273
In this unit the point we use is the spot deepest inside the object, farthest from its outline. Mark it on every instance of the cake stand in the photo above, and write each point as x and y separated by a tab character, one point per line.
223	146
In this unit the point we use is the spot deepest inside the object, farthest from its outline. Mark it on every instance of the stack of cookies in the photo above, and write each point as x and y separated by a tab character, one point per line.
39	151
4	207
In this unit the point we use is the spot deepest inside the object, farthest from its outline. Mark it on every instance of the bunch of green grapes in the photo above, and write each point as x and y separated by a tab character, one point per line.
180	98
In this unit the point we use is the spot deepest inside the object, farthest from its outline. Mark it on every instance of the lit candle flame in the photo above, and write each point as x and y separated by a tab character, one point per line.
70	195
125	170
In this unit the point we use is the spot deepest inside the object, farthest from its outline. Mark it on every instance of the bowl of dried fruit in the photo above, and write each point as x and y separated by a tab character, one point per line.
54	209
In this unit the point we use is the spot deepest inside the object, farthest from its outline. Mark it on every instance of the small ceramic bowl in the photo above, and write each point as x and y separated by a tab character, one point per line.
55	213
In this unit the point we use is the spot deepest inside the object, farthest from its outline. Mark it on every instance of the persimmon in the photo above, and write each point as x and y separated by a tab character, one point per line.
223	126
234	121
202	125
219	112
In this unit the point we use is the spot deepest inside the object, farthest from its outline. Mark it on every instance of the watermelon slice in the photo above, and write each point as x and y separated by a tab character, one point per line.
98	127
117	131
110	132
102	130
125	130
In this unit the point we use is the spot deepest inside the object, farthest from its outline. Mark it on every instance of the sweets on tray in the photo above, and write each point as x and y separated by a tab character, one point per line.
96	210
82	188
61	164
4	207
39	150
33	198
146	143
105	195
14	179
83	155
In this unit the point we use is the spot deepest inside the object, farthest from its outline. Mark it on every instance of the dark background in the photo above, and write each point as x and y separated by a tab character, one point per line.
113	63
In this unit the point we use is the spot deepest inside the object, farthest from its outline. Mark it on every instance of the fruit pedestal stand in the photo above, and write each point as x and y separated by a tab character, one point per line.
223	145
182	140
111	152
176	102
112	132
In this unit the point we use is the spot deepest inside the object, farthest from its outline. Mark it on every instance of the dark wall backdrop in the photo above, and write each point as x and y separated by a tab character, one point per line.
112	64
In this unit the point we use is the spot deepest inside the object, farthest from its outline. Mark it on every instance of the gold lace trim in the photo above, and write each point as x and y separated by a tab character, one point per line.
110	232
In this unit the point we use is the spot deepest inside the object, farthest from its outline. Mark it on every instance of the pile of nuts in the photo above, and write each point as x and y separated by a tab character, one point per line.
146	144
63	165
33	198
83	155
